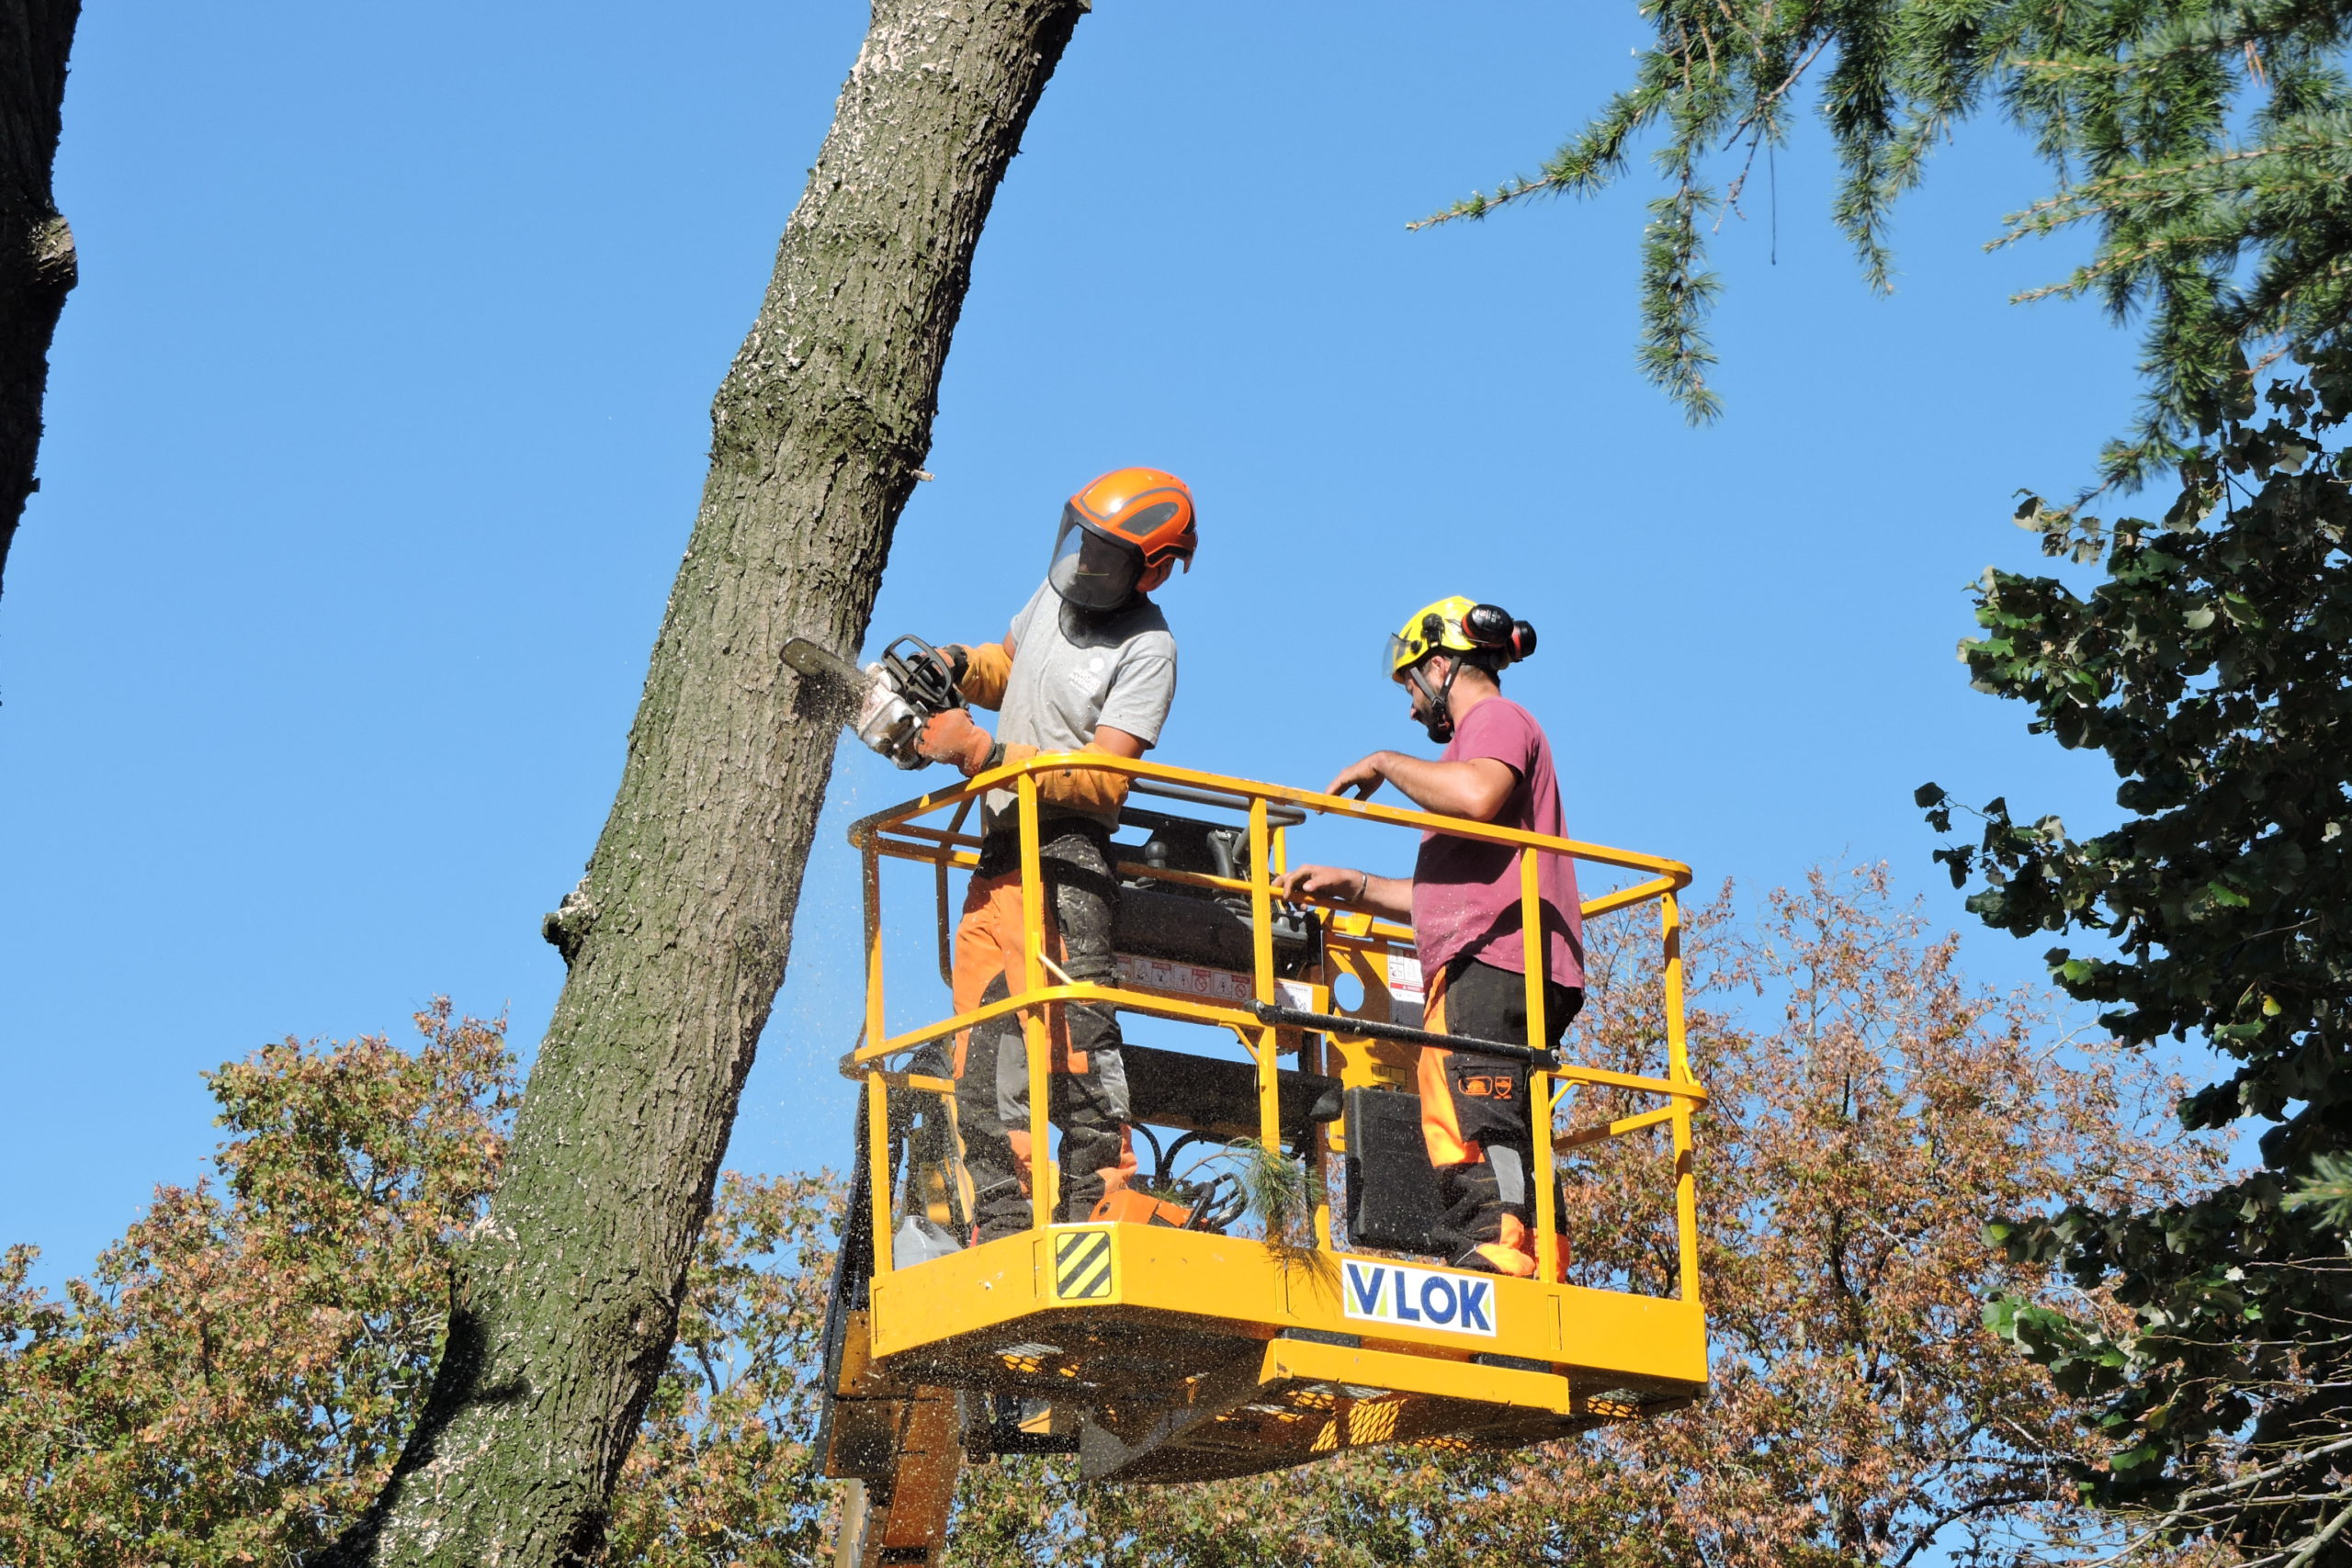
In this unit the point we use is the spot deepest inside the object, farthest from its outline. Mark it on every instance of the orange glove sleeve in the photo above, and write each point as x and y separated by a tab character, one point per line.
952	737
1082	789
986	671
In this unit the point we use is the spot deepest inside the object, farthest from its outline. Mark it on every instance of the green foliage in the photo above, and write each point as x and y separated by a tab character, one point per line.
233	1381
1386	1507
2329	1189
1847	1159
1281	1192
234	1385
2206	143
2213	668
722	1472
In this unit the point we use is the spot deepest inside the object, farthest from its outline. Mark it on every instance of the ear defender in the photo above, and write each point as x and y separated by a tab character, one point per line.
1490	625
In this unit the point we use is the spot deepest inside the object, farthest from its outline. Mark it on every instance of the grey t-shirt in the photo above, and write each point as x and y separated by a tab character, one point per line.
1073	671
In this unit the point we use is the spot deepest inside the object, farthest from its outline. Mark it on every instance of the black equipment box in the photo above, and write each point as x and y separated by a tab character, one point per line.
1392	1188
1202	925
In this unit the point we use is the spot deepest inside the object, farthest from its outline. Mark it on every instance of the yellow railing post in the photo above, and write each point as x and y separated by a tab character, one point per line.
873	888
878	1106
1261	964
1317	1153
1034	1032
1538	1082
877	1168
1677	1070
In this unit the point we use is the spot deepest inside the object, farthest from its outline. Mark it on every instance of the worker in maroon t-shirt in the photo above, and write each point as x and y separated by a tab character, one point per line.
1463	901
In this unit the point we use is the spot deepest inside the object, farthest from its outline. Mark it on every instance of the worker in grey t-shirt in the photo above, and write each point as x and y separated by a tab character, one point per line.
1089	665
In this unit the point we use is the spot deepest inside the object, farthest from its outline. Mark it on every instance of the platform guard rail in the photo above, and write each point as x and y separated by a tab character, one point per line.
896	832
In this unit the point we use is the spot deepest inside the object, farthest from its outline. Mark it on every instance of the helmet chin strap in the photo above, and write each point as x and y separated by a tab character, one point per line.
1439	723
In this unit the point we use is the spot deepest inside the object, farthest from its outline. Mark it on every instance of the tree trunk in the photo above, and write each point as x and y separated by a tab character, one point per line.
677	936
36	247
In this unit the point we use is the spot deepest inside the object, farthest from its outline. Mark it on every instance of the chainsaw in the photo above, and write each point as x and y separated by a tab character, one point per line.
890	701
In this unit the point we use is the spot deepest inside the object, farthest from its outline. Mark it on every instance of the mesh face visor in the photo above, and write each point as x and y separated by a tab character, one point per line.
1091	572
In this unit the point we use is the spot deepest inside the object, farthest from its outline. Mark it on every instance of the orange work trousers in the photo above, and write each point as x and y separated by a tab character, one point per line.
1475	1119
1087	1098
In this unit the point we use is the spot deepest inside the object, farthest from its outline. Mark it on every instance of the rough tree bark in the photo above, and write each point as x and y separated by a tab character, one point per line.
36	247
677	936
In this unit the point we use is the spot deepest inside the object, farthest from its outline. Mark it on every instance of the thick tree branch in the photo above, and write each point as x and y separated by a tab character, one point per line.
37	267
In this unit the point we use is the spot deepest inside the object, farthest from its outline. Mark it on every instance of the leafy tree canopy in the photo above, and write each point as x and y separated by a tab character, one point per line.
232	1383
2205	144
2213	668
234	1380
1859	1414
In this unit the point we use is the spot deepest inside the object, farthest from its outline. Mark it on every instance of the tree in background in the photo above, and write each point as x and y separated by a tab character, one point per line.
723	1472
1860	1412
567	1297
2213	668
37	268
232	1383
2206	146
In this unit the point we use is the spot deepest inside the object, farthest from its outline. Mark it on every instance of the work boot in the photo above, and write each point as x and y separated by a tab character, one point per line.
1473	1208
1096	1154
998	1209
1511	1252
1494	1258
1488	1222
1091	1159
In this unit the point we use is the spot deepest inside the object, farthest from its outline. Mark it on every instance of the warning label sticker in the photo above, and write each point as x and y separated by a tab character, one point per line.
1397	1292
1404	977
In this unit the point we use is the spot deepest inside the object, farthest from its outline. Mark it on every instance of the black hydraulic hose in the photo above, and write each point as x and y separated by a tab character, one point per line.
1338	1023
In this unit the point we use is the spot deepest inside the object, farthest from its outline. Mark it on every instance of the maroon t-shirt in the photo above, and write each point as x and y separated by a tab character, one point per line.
1466	893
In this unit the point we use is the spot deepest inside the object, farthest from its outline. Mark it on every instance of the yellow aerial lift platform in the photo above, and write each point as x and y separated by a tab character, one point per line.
1162	1352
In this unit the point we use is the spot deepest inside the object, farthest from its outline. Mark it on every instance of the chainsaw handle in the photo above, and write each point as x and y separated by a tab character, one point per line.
925	678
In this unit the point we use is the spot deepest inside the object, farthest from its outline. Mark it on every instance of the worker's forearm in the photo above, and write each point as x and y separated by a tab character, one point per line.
1450	789
1391	895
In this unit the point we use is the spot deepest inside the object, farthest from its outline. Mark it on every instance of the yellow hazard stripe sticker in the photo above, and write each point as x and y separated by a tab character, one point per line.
1084	1267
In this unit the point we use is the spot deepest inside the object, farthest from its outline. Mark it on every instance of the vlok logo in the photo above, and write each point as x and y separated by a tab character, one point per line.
1393	1293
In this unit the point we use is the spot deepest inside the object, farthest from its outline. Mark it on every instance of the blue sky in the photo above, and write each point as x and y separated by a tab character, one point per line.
376	424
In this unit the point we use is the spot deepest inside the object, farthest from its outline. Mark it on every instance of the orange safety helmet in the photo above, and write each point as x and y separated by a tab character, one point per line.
1148	511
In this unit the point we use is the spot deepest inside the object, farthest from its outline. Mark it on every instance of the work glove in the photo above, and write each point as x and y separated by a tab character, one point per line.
981	673
953	738
1093	790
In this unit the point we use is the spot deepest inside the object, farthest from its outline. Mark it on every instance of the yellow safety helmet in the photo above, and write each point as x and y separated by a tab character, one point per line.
1457	625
